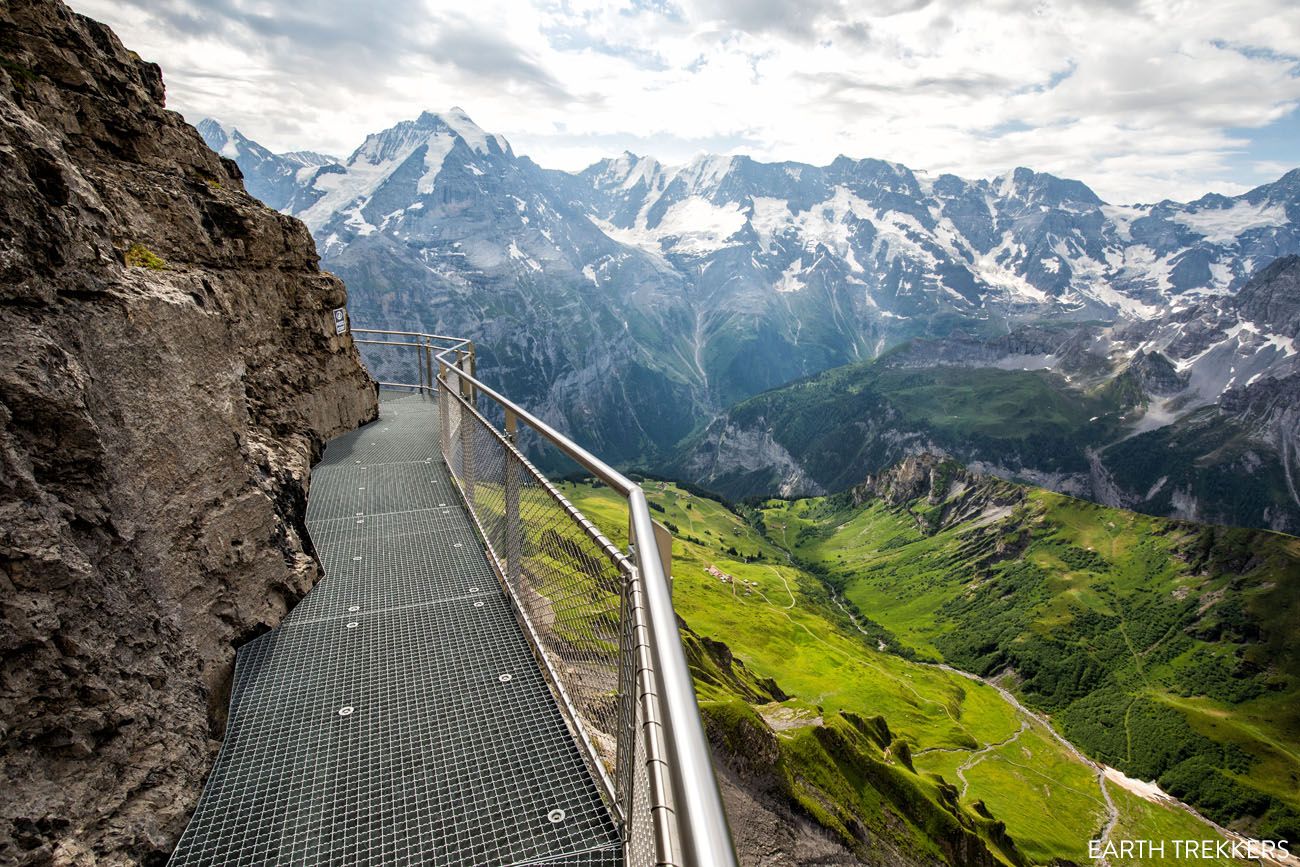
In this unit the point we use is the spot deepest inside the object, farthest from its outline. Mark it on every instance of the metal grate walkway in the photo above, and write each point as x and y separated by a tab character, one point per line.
397	715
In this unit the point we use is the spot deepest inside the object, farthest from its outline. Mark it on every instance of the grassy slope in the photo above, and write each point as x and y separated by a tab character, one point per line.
784	626
1160	648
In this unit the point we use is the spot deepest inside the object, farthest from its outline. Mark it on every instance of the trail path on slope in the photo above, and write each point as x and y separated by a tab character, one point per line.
978	756
1027	716
777	572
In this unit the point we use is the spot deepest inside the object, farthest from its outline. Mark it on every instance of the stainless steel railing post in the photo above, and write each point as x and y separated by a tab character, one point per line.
444	413
467	467
471	361
514	526
428	364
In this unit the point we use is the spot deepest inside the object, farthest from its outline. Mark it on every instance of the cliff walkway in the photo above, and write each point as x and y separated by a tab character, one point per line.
397	715
480	677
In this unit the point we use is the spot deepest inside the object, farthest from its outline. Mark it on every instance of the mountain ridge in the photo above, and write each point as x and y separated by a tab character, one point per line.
634	303
1056	206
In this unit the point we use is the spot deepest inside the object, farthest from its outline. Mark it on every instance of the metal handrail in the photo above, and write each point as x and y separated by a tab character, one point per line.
425	343
698	829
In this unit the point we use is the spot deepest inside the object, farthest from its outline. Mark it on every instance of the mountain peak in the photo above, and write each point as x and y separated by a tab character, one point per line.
308	158
458	121
1272	296
210	125
1043	188
706	171
1283	189
220	137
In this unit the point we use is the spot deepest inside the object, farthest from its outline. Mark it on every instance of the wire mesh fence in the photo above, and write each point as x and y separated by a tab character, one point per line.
398	359
579	598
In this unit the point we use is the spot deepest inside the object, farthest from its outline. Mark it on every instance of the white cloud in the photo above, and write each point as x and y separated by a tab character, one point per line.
1142	101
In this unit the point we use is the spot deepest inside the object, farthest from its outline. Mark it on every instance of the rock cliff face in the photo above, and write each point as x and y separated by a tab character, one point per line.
954	494
1272	296
169	372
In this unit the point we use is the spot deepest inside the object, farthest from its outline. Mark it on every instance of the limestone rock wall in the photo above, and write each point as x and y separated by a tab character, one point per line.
168	372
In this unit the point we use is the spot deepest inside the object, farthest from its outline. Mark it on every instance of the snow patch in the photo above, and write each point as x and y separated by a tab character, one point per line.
436	151
790	281
343	189
897	233
992	268
829	223
1122	218
629	237
520	256
1223	225
357	222
1145	790
696	225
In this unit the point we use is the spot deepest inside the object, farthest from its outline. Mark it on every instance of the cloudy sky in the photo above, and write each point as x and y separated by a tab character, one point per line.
1141	100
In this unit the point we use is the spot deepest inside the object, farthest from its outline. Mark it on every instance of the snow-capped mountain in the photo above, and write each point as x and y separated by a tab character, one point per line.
1022	238
1225	342
1221	440
634	300
273	178
399	164
438	226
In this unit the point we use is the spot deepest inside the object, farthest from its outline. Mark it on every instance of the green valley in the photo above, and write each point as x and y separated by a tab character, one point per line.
1161	648
889	753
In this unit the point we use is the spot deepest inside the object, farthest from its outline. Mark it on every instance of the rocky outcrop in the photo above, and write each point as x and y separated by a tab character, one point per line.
952	493
768	825
170	369
914	477
1153	374
732	457
1271	297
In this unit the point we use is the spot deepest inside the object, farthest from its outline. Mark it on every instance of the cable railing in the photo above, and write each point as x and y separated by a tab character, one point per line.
600	619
